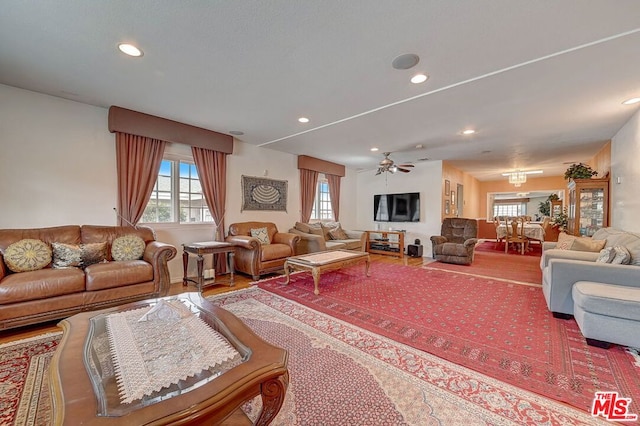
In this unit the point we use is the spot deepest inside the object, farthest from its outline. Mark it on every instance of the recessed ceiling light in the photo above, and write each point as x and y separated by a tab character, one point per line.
130	49
419	78
468	132
303	119
236	132
374	149
406	61
631	101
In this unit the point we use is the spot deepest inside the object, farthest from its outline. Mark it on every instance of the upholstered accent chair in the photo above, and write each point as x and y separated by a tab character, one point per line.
256	258
457	241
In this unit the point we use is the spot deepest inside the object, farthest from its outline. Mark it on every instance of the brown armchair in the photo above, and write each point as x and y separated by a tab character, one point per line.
457	242
257	259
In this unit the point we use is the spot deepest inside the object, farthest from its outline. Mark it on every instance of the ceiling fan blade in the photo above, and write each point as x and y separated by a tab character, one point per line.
379	171
406	165
400	169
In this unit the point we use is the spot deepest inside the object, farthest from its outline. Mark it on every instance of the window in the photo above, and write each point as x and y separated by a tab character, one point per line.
322	203
509	209
177	195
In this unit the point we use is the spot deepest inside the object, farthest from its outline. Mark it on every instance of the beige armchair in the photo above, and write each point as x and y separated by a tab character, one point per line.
457	242
255	258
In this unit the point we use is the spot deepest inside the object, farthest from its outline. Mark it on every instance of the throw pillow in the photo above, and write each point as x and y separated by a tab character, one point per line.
565	241
588	244
27	255
94	253
79	256
261	234
66	255
606	255
325	232
127	247
338	234
622	256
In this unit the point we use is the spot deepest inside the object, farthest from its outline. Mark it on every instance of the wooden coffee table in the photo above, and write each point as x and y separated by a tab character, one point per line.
325	261
80	396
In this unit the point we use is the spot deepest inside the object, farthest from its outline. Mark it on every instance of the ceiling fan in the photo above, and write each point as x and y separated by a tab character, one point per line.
387	165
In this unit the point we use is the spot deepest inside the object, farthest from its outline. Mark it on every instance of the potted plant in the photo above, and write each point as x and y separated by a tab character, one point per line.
544	207
561	220
579	171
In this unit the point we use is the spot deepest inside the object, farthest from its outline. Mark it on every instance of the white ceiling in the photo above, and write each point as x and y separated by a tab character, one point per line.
541	81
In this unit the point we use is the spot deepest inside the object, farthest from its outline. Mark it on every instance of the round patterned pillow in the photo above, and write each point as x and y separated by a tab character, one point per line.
127	247
27	255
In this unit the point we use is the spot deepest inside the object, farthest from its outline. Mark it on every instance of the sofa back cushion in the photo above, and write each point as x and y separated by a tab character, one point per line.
616	237
69	234
244	228
98	234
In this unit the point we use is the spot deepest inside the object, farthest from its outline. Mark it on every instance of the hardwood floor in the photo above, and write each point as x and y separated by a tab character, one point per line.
241	281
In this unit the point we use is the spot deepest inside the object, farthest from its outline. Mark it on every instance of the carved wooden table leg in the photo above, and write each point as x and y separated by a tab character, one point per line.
286	272
316	279
273	392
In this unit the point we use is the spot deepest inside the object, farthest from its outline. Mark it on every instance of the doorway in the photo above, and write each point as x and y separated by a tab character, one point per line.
460	200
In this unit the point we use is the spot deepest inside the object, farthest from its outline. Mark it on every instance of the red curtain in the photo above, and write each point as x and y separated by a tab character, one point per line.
212	171
138	161
308	183
334	194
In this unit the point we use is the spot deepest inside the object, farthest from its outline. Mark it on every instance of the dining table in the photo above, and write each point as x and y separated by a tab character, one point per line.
533	231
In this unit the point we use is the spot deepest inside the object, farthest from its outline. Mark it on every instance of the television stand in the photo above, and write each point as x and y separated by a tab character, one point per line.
388	243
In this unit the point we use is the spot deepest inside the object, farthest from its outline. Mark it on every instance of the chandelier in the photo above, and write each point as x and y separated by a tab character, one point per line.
517	178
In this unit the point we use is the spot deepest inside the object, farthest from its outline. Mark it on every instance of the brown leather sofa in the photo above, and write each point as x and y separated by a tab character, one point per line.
257	259
315	237
48	294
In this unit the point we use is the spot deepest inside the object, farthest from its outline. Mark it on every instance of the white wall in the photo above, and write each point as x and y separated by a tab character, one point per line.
57	167
425	178
57	162
625	152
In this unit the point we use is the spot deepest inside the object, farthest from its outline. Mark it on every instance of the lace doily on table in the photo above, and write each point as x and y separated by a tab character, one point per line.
155	347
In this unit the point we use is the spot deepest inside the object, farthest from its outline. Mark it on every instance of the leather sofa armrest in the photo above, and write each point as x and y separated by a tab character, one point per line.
308	243
287	238
158	255
244	241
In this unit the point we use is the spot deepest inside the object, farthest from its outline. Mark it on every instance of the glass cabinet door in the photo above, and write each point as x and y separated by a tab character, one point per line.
591	205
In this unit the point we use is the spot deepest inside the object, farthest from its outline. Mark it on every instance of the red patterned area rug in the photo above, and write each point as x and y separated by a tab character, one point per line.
535	249
24	382
496	327
513	267
341	374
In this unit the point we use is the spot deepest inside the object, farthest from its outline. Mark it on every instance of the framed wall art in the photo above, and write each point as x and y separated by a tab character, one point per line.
447	207
447	187
260	193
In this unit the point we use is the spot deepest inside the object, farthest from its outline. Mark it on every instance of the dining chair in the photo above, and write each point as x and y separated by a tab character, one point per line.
496	224
515	235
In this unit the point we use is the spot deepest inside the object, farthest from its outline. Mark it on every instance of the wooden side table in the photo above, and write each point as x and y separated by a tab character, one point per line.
200	249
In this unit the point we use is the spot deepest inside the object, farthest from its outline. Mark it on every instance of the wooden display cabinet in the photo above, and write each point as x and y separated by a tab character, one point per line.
389	243
588	206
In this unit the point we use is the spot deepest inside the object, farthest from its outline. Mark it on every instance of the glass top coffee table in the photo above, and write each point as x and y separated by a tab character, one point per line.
91	376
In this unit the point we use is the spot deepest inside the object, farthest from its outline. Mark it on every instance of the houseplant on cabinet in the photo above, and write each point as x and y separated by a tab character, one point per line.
579	171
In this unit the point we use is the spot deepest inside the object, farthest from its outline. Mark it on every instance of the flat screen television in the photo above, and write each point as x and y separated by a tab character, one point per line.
397	207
